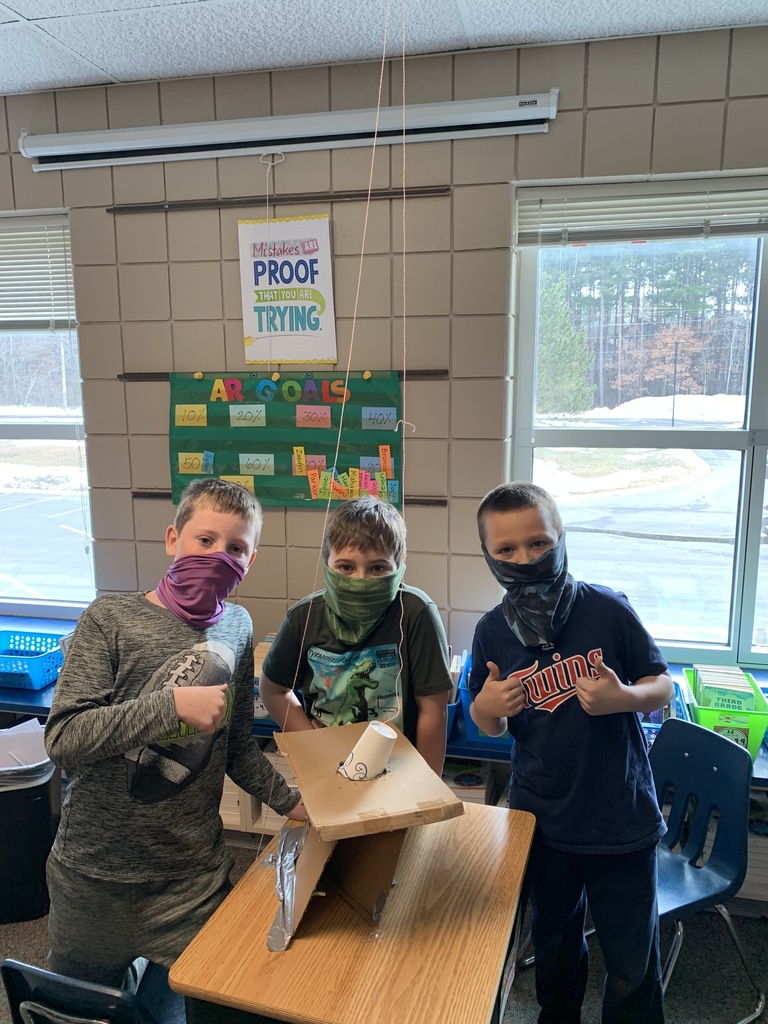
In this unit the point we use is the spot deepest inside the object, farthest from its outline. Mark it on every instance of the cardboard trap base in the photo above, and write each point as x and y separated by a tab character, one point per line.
361	869
355	829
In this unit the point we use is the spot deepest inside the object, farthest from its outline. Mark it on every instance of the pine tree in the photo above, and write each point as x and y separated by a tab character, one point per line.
562	377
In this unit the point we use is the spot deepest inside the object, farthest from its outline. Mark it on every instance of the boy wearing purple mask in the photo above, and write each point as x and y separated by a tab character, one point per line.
153	706
569	669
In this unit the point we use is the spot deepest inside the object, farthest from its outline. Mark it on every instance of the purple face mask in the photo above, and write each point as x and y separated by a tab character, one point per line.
195	586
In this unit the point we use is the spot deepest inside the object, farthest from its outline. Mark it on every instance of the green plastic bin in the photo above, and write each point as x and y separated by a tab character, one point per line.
747	728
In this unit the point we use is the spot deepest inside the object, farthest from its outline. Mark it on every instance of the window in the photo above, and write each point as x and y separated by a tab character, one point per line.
643	345
43	493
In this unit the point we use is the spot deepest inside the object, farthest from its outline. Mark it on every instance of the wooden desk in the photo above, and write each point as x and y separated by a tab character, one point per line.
436	956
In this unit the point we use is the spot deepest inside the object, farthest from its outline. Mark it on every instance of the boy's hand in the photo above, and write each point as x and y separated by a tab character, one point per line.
502	698
298	812
604	695
202	707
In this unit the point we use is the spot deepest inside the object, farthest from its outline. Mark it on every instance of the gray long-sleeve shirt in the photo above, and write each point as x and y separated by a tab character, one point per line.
144	789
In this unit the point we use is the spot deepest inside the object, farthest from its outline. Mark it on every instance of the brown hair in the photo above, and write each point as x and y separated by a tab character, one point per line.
366	524
515	496
221	496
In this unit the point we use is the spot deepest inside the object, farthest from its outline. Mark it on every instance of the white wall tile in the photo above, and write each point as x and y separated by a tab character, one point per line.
267	614
147	404
152	564
108	463
472	587
267	575
150	466
111	513
104	407
152	517
114	566
430	574
305	574
427	529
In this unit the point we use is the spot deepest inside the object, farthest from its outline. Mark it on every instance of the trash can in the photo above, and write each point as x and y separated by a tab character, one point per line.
30	817
30	808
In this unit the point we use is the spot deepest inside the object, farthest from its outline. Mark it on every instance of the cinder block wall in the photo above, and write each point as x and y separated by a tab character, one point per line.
160	291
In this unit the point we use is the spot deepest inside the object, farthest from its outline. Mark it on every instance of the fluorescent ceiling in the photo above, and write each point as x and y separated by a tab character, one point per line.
52	44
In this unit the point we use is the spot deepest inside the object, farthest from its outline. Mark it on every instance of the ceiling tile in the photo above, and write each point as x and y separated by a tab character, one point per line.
31	62
60	43
216	38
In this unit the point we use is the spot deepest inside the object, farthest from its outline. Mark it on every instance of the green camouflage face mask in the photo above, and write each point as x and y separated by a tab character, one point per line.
353	606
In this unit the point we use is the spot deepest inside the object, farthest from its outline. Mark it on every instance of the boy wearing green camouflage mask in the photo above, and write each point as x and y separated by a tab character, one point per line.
366	647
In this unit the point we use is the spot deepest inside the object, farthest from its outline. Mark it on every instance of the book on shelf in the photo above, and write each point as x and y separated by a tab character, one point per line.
467	779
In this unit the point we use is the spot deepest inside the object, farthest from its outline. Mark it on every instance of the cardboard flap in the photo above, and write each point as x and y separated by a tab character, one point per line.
363	870
409	793
301	868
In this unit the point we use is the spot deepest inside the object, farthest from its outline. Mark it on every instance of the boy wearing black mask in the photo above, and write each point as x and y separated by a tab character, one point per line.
154	704
569	669
367	646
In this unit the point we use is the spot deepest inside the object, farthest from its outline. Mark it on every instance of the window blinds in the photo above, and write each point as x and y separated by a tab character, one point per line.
580	214
36	289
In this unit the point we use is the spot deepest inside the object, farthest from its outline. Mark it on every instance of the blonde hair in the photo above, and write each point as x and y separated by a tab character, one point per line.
366	524
221	496
513	497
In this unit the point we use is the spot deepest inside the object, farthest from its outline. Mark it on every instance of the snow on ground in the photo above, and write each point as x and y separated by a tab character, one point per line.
727	410
55	479
648	469
21	473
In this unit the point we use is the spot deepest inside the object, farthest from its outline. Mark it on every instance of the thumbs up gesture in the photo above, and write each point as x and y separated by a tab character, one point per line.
501	698
603	695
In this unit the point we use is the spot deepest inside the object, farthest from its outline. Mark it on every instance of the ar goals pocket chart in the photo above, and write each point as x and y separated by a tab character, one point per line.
292	438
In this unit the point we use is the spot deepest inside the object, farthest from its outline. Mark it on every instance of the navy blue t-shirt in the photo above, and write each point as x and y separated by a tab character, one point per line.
586	778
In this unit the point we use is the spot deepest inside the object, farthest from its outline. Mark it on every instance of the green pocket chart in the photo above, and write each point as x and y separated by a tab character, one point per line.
278	434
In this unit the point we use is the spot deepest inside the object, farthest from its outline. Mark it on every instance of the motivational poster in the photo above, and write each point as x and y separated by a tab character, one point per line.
287	290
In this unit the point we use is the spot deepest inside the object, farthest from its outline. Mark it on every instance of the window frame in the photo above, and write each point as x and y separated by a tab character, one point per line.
58	319
752	440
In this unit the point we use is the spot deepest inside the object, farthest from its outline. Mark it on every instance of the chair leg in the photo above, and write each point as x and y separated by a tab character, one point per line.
674	952
740	950
526	961
671	960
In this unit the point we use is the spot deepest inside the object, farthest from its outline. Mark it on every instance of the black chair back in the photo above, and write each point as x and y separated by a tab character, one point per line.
36	996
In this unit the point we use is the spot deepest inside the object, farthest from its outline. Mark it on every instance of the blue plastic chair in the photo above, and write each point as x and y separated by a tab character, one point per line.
36	996
702	782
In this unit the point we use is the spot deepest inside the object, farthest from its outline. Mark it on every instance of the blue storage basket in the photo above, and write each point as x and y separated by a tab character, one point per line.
474	735
28	661
451	711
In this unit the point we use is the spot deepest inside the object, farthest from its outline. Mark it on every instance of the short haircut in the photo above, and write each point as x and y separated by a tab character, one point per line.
515	496
366	524
221	496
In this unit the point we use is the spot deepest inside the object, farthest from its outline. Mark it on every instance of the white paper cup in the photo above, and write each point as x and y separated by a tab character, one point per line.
370	755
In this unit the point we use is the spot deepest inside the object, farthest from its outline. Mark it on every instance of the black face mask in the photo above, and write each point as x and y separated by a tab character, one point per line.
539	594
